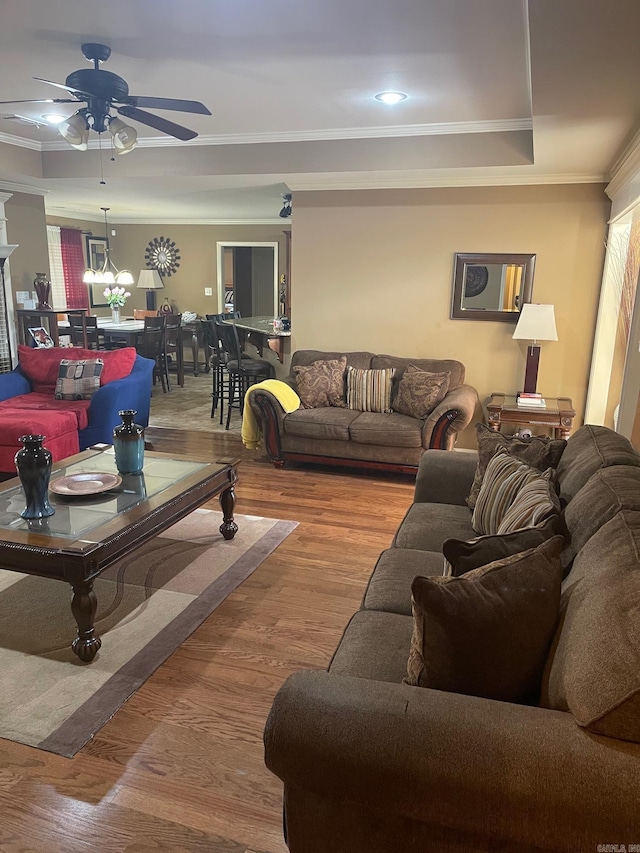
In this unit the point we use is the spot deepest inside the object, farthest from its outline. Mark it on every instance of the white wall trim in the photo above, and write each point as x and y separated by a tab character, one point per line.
626	167
21	141
407	180
436	129
221	245
27	189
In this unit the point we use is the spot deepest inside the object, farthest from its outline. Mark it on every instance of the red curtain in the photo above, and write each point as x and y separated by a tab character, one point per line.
73	268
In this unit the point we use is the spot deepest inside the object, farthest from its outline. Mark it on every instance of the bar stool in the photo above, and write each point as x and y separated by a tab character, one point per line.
241	372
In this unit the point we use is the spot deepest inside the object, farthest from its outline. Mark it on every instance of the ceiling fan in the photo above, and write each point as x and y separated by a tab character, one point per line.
103	91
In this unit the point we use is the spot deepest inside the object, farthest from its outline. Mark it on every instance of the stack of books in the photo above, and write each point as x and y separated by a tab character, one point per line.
531	401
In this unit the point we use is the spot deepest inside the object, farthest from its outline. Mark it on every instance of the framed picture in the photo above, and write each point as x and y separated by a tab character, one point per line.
96	255
40	336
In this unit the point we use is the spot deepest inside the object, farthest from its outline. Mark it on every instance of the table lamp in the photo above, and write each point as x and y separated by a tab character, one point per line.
150	281
536	323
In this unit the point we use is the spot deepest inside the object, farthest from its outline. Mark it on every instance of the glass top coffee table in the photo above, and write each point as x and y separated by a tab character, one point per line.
88	533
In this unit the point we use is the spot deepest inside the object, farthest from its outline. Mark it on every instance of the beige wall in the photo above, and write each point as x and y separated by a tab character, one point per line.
197	248
373	270
26	226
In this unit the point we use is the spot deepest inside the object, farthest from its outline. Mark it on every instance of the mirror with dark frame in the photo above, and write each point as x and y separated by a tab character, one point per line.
491	286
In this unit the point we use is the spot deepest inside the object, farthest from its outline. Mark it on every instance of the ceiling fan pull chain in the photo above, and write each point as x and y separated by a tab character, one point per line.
102	180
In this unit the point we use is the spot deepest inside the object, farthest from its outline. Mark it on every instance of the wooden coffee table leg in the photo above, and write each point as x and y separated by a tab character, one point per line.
228	528
83	607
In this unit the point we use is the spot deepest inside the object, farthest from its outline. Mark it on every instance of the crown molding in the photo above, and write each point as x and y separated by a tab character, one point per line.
409	180
28	189
625	168
127	219
21	142
440	129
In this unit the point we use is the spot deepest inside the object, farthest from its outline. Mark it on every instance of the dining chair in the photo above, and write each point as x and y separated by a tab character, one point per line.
173	348
152	346
141	313
241	372
85	332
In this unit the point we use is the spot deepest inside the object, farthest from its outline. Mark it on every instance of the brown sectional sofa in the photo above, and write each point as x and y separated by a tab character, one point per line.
371	764
365	439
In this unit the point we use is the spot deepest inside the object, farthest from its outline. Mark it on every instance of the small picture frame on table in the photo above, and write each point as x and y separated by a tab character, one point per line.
41	337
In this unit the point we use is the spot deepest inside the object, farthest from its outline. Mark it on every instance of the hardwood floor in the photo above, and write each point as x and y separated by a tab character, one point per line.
180	766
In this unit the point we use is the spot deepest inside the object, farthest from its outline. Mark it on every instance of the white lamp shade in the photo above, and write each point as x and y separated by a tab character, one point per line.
536	323
6	250
89	276
150	280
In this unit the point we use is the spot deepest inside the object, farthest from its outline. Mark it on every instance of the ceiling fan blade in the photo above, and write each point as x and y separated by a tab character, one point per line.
82	95
158	123
168	104
43	101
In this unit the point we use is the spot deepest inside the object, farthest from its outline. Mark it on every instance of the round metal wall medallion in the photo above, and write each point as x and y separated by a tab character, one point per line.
163	255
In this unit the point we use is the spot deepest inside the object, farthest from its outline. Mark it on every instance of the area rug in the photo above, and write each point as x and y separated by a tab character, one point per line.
148	604
168	410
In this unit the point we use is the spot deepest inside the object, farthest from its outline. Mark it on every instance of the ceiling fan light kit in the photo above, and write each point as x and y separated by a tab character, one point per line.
108	273
103	91
125	137
75	131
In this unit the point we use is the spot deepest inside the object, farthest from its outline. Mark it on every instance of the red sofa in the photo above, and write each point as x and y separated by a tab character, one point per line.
27	403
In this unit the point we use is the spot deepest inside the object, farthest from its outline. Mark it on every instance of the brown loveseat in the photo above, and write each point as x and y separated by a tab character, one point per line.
341	436
374	765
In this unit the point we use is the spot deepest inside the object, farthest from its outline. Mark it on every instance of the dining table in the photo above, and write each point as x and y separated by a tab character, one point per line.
129	331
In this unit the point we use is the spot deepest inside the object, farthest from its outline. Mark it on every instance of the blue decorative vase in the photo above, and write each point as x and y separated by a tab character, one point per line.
33	464
128	444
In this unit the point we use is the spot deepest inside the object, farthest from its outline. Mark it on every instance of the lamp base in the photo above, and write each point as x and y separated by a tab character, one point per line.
531	369
151	300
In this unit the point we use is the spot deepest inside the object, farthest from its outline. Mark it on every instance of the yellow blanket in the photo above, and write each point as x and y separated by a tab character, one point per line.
284	394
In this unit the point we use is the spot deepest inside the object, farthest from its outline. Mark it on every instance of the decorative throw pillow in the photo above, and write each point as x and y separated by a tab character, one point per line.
462	557
419	391
488	633
78	380
369	390
321	383
502	481
535	501
539	451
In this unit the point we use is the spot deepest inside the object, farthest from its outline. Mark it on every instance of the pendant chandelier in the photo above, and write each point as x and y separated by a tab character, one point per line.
108	272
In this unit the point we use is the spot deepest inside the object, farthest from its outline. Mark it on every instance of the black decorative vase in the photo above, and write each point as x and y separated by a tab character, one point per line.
128	444
33	464
42	287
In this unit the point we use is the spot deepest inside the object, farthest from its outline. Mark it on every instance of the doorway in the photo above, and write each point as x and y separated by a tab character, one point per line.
248	278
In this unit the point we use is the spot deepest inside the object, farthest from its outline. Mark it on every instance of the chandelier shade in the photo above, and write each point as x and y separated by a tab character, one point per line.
108	273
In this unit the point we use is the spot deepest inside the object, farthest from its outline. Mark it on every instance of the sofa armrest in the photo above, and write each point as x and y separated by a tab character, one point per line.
131	392
445	477
270	416
13	383
449	417
492	769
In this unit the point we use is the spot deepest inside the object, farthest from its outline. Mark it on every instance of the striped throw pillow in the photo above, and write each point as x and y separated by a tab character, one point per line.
536	501
78	380
369	390
502	481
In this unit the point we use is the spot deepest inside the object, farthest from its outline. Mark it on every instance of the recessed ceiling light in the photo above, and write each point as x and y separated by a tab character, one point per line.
391	97
53	118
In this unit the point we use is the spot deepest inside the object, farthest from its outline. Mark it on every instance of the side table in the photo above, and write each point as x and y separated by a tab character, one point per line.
557	414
